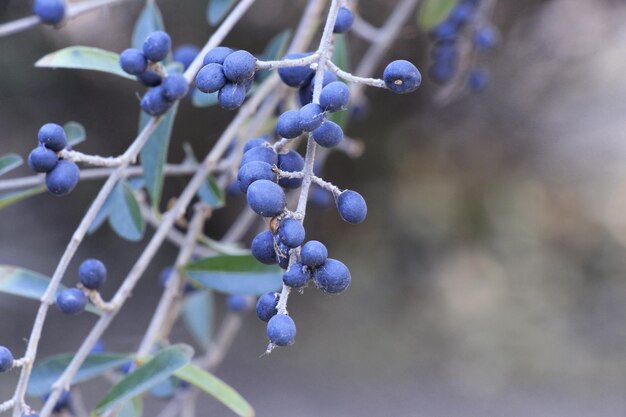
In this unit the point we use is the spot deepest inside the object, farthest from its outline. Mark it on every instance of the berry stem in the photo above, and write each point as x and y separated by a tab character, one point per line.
287	63
108	161
372	82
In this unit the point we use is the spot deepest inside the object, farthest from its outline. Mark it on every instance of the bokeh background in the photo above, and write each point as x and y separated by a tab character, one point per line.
489	278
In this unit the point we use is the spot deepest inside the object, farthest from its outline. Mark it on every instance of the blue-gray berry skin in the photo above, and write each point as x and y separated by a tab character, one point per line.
6	359
133	61
352	207
175	87
291	161
485	37
99	347
92	273
217	55
238	303
266	198
282	253
288	125
71	301
344	20
154	102
231	96
52	136
291	232
210	78
402	77
281	330
332	276
313	253
305	93
297	276
260	153
157	45
185	54
254	171
253	143
311	117
239	66
334	96
477	80
63	178
263	248
150	78
51	12
296	76
328	135
42	159
266	306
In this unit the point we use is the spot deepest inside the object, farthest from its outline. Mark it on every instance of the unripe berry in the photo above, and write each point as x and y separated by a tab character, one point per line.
313	253
42	159
51	12
332	276
288	125
92	274
344	20
52	136
231	96
281	330
266	306
239	66
402	77
263	248
217	55
210	78
71	301
63	178
6	359
157	45
133	61
266	198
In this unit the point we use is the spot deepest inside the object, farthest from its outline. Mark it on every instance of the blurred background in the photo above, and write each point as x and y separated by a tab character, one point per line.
489	278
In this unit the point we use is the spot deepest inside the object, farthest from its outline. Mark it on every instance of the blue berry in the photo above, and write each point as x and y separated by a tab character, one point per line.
64	401
253	143
297	276
477	80
231	96
42	159
281	330
133	61
311	116
238	303
266	306
319	197
328	135
352	207
291	232
254	171
461	14
260	153
334	96
217	55
291	161
447	30
154	102
150	78
51	12
6	359
313	253
210	78
52	136
296	76
98	348
157	45
305	93
185	54
442	72
485	37
263	248
92	274
63	178
344	21
266	198
288	125
175	87
282	253
332	276
239	66
71	301
402	77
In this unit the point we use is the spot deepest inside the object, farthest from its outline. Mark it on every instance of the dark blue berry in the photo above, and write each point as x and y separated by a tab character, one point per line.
442	72
71	301
266	306
238	303
98	348
402	77
281	330
6	359
260	153
133	61
52	136
296	76
51	12
288	124
485	37
92	274
447	31
175	87
254	171
263	248
63	178
154	102
150	78
344	21
461	14
42	159
332	276
291	232
231	96
311	117
305	93
319	197
239	66
253	143
334	96
282	253
313	253
328	135
157	45
210	78
291	161
352	207
217	55
297	275
266	198
477	80
185	54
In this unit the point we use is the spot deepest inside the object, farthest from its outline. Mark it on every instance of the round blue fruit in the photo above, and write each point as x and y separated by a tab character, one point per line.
266	198
281	330
42	159
291	232
296	76
6	359
311	116
98	347
154	102
52	136
442	72
133	61
402	77
282	253
332	276
344	21
260	153
328	135
217	55
239	66
319	197
313	253
63	178
238	303
71	301
266	306
291	161
288	125
485	37
253	143
297	276
447	30
185	54
150	78
231	96
254	171
305	93
334	96
157	45
263	248
92	274
477	80
175	87
352	207
210	78
51	12
64	401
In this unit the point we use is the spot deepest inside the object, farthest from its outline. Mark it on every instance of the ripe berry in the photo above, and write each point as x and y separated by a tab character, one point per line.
282	253
266	306
296	76
150	78
6	359
344	21
51	12
210	78
239	66
447	31
52	136
71	301
288	124
281	330
231	96
352	207
157	45
175	87
42	159
185	54
254	171
266	198
477	80
485	37
442	72
260	153
402	77
263	248
253	143
133	61
63	178
154	102
291	232
319	197
92	274
291	161
311	116
332	276
334	96
461	14
313	253
98	347
328	135
305	94
217	55
297	276
238	303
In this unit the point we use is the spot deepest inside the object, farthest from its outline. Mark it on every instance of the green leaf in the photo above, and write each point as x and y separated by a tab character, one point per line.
164	389
8	198
28	284
9	162
132	408
124	214
217	388
433	12
84	57
341	118
146	376
148	21
240	274
217	10
75	133
200	99
46	372
341	55
198	316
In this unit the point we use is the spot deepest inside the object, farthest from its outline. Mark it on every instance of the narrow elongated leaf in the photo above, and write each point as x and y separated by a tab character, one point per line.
84	57
433	12
124	214
198	316
8	198
9	162
75	133
132	408
46	372
146	376
216	388
341	55
148	21
101	216
217	10
200	99
164	389
241	274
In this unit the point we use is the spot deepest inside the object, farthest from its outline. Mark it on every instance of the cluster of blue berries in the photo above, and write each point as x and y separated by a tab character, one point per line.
51	12
61	175
92	274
